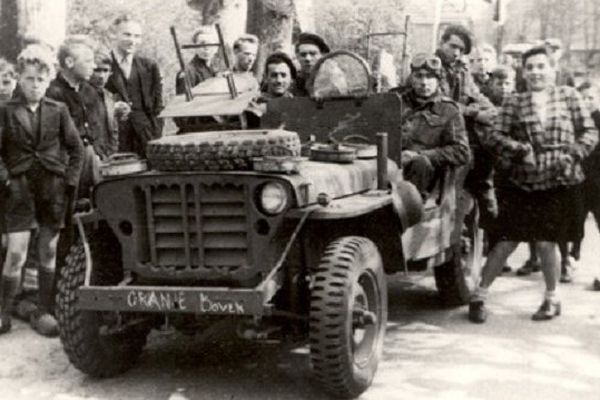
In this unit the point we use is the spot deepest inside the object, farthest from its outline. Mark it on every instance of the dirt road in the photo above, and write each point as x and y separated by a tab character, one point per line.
431	353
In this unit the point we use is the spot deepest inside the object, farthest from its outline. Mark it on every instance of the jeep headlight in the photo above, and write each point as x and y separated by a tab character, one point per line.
273	198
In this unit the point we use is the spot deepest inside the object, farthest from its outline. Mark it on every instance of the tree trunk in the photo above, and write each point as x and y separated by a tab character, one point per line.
27	21
273	22
229	14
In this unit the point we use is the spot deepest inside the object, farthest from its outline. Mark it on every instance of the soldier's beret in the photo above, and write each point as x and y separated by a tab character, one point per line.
280	57
313	38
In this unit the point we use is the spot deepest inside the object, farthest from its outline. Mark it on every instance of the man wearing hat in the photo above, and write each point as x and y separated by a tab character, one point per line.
310	48
279	76
278	80
433	130
457	83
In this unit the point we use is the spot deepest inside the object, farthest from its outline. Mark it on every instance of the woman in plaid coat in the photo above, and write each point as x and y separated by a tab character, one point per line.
540	138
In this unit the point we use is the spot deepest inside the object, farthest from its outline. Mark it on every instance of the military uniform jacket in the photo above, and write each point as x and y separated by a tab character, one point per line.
58	149
435	128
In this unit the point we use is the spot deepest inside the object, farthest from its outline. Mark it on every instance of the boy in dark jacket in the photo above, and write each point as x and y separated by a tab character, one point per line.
40	161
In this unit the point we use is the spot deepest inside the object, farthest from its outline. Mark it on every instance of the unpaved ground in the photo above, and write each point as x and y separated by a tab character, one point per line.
431	353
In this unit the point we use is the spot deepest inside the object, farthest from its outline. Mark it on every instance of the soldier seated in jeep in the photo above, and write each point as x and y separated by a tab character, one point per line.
278	80
433	129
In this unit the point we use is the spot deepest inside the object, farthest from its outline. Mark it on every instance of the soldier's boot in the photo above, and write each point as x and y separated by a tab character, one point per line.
10	286
42	320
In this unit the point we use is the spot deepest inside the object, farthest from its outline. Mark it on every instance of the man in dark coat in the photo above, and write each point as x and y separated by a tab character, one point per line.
309	49
199	68
137	81
113	111
457	83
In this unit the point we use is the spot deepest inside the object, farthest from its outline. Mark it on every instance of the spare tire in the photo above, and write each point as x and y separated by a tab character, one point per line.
219	150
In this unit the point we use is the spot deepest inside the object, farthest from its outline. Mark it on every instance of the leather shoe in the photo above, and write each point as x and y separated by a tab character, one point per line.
529	267
565	275
44	324
547	311
596	285
477	312
24	308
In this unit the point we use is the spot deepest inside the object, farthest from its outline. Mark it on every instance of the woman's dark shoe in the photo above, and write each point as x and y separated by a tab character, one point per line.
529	267
596	285
547	311
566	276
477	312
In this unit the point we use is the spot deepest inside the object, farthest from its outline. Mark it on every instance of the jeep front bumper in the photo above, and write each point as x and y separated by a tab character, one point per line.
187	300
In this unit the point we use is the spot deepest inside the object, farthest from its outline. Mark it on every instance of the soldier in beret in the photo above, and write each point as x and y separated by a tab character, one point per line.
309	49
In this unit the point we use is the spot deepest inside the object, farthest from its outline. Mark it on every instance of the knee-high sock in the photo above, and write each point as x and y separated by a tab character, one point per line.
46	290
10	287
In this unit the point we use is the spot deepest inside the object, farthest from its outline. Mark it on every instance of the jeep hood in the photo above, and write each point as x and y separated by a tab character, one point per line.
335	180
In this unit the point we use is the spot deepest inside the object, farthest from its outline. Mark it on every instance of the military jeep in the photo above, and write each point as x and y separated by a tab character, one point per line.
243	225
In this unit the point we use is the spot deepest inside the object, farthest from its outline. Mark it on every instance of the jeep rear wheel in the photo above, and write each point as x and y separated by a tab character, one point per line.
456	279
348	315
86	336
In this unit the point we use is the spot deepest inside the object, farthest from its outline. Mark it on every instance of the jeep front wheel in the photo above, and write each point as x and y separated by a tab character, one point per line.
87	338
348	315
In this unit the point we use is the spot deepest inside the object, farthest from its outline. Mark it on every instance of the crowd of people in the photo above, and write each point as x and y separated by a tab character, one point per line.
527	136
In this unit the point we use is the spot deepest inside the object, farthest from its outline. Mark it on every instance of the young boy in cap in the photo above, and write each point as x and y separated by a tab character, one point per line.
309	49
40	160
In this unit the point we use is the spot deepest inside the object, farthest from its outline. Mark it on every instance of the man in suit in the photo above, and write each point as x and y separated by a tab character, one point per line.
137	81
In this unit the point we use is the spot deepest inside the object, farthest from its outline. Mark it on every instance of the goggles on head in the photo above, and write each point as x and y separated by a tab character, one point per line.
432	63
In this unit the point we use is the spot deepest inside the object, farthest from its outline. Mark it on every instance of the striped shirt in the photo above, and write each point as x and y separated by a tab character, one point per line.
559	143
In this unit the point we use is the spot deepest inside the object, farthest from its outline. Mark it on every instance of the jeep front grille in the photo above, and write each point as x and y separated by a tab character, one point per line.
197	228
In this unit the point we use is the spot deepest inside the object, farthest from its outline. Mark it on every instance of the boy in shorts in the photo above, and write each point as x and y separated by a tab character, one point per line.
40	161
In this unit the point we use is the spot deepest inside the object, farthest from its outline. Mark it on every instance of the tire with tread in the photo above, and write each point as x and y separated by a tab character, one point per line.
89	350
456	279
350	275
219	150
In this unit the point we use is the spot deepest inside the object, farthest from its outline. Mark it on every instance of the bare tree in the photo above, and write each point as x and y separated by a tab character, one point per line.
230	14
24	21
273	22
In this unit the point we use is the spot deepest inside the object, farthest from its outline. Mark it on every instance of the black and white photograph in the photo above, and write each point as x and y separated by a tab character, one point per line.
299	199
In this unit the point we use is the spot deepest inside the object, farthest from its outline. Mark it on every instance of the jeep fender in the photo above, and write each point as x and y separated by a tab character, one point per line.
408	203
377	222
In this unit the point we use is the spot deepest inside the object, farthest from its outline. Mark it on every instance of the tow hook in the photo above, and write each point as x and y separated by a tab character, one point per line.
361	318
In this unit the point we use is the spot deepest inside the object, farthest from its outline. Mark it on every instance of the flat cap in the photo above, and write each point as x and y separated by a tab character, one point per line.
278	58
313	38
